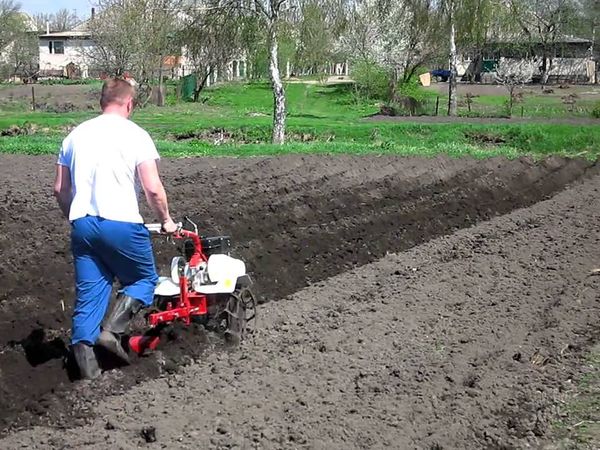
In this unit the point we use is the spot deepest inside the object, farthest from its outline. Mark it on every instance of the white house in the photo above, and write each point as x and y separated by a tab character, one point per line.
63	53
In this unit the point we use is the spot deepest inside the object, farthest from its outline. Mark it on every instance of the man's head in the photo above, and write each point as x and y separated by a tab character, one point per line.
117	97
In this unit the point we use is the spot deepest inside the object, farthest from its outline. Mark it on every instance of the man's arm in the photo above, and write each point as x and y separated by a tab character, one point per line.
155	193
62	189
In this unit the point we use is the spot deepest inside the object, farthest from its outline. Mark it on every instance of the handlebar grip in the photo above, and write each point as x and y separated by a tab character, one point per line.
158	228
154	227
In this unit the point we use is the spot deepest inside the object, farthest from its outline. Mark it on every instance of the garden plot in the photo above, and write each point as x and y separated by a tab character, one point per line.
429	303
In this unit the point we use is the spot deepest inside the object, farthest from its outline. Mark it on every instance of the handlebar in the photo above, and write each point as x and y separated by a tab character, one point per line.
181	233
158	229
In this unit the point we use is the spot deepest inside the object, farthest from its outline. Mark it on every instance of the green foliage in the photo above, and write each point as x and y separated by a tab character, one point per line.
596	111
236	121
413	89
314	39
372	80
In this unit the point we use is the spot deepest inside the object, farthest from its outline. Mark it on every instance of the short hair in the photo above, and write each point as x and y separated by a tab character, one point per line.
116	91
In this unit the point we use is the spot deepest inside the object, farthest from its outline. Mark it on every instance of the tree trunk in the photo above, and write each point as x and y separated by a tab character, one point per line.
160	98
393	85
278	91
201	86
452	94
545	71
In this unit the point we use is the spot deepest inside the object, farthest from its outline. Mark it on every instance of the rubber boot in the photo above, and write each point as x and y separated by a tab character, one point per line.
116	324
86	360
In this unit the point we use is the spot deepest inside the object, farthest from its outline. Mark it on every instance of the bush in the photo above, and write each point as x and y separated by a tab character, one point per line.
413	89
596	111
372	80
412	99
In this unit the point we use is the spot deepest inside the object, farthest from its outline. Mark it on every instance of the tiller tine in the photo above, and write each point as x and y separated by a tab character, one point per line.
139	344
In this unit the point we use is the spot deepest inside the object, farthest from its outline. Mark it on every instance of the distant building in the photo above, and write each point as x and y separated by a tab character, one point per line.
63	53
568	59
69	54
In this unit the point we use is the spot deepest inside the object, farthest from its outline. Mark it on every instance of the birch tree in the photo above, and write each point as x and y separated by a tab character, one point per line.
271	11
270	15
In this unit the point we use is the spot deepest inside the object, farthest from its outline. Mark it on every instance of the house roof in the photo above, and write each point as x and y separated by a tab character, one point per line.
523	40
80	31
66	34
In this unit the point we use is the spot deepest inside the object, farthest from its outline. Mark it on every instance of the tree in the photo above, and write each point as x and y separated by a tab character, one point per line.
410	36
449	11
478	22
469	24
587	24
512	74
133	36
211	40
269	15
316	28
544	23
62	20
23	56
9	22
401	36
18	43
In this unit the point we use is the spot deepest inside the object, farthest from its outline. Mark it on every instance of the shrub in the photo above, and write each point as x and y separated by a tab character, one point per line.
372	80
596	111
413	99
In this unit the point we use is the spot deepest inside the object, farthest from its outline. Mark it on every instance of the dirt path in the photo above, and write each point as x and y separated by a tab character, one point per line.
465	342
486	120
374	355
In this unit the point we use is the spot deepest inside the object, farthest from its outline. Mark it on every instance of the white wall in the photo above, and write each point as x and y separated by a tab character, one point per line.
75	50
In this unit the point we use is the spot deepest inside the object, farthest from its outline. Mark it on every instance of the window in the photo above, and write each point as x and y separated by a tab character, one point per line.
56	47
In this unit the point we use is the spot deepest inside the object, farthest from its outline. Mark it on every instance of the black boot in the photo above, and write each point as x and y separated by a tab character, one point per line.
116	324
86	360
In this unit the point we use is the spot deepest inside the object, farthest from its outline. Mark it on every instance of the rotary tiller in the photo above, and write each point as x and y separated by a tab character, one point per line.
205	285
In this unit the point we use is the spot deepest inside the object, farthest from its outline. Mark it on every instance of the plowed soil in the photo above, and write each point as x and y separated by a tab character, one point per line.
429	303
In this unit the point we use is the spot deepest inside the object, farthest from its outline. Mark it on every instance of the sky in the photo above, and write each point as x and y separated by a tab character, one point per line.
81	7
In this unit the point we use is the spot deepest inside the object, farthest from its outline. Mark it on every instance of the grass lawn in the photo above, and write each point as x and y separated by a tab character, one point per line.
236	120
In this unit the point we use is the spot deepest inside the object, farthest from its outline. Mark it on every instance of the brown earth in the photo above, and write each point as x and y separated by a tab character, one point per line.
468	341
586	91
53	98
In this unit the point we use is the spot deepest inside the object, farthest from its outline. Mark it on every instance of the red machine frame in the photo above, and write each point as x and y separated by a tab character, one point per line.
189	304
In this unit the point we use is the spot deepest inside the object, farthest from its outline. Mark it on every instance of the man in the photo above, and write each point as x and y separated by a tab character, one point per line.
101	164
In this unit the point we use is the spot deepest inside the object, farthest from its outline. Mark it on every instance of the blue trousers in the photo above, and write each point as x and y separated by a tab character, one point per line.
102	250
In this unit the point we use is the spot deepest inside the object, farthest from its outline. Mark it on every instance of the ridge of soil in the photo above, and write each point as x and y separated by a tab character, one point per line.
296	221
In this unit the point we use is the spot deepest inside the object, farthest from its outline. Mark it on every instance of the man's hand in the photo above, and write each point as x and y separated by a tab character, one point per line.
169	226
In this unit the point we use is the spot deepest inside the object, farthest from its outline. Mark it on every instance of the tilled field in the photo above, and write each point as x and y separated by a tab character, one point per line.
400	324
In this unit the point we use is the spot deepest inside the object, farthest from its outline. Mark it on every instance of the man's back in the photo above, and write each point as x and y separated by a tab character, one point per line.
102	155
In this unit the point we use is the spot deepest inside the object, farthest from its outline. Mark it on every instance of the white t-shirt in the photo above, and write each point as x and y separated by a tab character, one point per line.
103	154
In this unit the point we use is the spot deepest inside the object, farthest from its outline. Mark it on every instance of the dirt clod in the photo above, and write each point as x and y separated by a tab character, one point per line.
149	434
